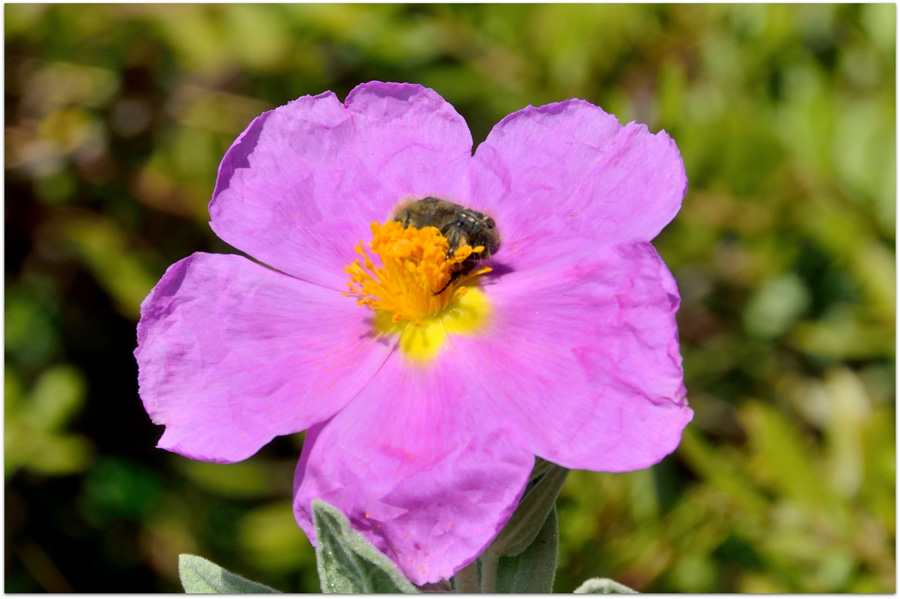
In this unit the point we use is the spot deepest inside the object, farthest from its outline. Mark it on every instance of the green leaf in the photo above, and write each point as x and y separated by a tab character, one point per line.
541	467
200	575
525	524
347	562
603	585
533	570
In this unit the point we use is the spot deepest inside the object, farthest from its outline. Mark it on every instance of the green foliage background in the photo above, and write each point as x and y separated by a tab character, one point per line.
117	117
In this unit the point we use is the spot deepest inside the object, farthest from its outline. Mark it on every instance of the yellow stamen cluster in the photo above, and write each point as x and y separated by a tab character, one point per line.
412	280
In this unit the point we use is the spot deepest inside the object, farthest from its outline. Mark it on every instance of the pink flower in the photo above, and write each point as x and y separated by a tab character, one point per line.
423	426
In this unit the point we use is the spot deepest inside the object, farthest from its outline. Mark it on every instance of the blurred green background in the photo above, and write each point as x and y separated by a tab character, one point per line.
117	117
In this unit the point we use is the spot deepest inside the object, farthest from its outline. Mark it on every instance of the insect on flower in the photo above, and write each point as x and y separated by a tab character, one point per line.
459	225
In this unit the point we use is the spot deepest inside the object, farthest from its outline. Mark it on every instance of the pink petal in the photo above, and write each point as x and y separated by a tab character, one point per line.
570	169
231	354
420	466
298	189
582	355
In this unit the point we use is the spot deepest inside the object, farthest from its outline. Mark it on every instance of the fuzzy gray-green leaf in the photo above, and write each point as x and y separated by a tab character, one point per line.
199	575
347	562
603	585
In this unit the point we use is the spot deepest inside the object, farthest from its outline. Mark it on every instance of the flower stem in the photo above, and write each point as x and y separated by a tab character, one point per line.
466	580
490	561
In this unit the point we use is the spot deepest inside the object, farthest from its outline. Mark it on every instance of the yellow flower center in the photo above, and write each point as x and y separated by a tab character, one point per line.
417	291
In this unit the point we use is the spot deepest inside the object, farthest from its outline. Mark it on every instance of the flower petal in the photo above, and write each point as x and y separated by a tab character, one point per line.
571	169
299	188
582	355
231	354
420	466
